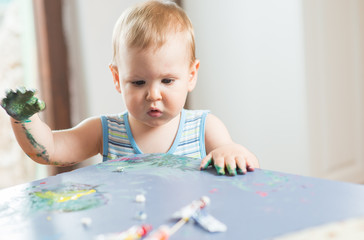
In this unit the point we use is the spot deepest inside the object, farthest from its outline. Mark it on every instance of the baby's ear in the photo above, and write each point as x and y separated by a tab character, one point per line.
115	76
193	75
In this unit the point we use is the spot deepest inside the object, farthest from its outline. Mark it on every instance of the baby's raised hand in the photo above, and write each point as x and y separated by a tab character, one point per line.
234	157
22	104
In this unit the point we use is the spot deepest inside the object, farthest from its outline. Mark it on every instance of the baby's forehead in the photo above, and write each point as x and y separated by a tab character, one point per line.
171	43
174	45
156	53
158	41
153	61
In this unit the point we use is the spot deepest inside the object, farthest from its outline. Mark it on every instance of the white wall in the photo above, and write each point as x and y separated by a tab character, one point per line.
334	37
252	76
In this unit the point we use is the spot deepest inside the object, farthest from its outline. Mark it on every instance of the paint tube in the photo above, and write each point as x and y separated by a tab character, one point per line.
187	211
208	222
133	233
162	233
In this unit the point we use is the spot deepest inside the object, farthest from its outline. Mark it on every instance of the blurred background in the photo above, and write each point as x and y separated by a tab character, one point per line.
285	76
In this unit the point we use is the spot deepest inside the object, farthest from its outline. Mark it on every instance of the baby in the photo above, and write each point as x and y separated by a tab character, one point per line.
154	67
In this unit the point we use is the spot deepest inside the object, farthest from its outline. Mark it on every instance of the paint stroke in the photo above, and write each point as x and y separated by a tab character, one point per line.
239	183
262	194
275	178
157	162
42	152
214	190
66	198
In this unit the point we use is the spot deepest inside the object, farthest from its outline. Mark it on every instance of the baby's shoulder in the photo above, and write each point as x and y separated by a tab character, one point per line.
191	114
114	118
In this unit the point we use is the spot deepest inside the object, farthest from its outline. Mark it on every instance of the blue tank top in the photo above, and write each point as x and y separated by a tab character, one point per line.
118	140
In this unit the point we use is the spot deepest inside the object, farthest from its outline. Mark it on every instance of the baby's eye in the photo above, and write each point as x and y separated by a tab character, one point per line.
138	83
167	81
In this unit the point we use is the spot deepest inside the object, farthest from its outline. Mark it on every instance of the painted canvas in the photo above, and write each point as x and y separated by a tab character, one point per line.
139	190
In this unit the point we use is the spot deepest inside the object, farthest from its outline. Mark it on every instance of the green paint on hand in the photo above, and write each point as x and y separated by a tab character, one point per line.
231	171
207	164
220	170
240	171
21	104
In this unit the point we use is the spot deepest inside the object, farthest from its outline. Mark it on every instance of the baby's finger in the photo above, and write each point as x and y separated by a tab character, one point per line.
27	96
3	102
219	165
251	163
241	164
22	91
206	161
10	94
37	105
41	105
231	166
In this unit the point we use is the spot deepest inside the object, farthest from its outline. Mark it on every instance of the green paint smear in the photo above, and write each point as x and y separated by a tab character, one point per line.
240	184
220	170
156	161
66	198
42	152
231	171
275	178
207	163
22	104
240	171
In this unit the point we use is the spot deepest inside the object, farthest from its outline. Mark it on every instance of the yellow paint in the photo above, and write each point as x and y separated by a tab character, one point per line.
64	197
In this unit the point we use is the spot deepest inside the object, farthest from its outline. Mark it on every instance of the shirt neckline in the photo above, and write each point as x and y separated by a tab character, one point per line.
176	140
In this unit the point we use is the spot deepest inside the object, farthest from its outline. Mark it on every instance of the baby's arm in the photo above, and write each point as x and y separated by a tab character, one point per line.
43	145
223	152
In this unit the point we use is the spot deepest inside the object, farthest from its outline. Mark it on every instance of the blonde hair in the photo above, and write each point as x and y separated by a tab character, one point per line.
148	25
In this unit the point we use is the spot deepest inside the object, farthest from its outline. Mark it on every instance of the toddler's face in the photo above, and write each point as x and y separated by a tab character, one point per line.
155	82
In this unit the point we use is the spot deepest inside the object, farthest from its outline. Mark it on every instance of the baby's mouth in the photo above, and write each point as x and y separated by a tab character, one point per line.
155	113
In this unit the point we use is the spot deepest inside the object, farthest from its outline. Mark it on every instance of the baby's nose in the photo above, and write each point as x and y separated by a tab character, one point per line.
154	94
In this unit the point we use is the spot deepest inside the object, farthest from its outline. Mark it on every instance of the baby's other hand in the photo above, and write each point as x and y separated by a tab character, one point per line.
22	104
236	159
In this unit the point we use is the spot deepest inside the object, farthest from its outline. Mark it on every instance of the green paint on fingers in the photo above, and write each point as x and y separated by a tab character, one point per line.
207	164
220	170
240	171
22	104
231	170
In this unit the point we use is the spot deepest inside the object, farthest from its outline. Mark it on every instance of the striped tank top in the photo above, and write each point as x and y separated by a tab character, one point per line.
118	140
